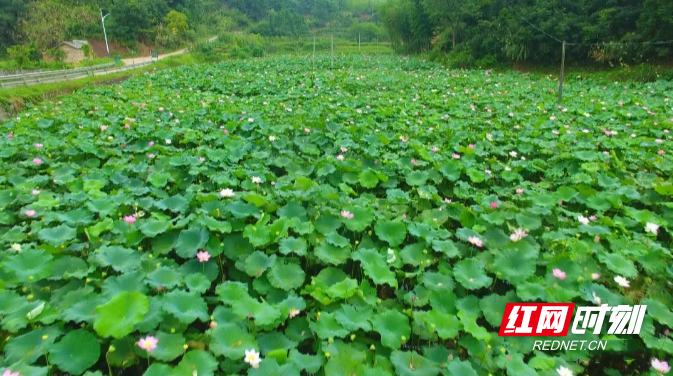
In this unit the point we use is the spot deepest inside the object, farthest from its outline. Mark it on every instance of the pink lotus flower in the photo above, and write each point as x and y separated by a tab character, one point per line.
519	191
661	152
455	156
404	216
130	219
475	241
413	161
202	159
9	135
203	256
435	149
593	218
35	192
37	161
30	213
343	149
471	146
346	214
307	130
161	108
127	126
103	128
148	343
340	157
494	205
558	273
8	372
660	366
595	276
39	146
597	239
150	156
447	200
225	131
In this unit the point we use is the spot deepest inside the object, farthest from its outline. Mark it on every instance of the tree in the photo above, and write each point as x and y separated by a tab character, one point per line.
176	22
11	12
135	19
448	15
20	54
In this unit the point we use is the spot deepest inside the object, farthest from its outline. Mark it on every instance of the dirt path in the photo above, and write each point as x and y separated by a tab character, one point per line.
135	60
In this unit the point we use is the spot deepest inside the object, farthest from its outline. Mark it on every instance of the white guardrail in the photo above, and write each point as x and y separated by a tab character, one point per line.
28	79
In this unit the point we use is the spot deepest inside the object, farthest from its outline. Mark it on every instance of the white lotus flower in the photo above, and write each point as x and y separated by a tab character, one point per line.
272	138
652	227
168	142
622	281
256	179
513	154
252	358
564	371
227	192
294	312
517	235
16	247
583	220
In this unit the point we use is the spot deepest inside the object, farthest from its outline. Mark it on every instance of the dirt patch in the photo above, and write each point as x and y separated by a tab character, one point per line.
98	47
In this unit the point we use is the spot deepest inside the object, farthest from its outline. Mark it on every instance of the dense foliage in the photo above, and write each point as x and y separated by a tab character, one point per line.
367	220
498	30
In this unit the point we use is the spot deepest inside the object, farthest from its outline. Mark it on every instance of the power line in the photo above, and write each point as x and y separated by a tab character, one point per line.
663	42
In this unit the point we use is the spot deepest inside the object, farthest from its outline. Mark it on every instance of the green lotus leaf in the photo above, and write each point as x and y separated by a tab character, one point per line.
470	325
375	266
293	245
393	327
76	352
353	318
258	262
410	363
470	273
330	254
190	241
368	179
197	282
153	227
231	341
30	266
362	218
306	362
446	325
57	236
198	361
391	232
328	327
460	368
117	317
120	259
285	276
514	266
158	369
169	346
29	347
185	306
619	264
165	277
417	178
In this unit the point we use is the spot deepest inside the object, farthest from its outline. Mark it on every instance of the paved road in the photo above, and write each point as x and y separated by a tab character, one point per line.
135	60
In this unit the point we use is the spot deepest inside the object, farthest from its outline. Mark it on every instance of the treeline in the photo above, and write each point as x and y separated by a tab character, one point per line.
485	32
167	23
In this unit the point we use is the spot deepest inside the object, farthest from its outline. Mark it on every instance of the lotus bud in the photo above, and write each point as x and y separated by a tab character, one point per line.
327	355
352	337
172	330
372	347
112	349
404	339
330	340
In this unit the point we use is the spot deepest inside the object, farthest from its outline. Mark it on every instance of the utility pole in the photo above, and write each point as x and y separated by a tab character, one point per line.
313	51
560	81
102	18
332	63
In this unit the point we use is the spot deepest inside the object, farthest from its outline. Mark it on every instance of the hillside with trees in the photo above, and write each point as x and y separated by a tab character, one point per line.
486	31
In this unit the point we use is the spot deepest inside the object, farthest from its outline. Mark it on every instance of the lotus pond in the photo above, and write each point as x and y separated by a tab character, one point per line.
263	218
